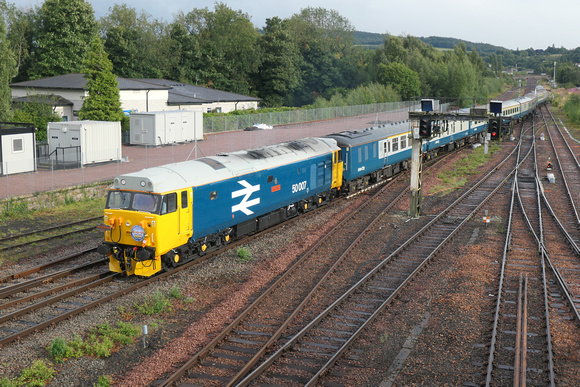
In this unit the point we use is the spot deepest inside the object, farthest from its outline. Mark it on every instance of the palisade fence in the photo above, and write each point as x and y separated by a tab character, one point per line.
233	122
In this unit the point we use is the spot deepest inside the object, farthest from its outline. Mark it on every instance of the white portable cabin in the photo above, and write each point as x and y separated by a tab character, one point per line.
85	142
17	148
166	127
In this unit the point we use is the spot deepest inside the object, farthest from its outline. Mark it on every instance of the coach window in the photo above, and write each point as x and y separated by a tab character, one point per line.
183	199
169	203
213	195
395	144
403	142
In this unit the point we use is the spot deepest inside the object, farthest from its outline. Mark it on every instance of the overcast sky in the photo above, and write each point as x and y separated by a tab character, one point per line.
511	24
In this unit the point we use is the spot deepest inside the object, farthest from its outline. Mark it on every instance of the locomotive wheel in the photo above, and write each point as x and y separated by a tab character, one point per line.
170	260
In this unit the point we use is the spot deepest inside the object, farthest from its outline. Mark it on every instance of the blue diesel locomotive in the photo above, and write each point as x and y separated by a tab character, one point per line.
160	216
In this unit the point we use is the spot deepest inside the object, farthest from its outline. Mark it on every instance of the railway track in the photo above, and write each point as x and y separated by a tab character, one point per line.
240	347
520	349
63	293
19	241
262	324
566	170
542	253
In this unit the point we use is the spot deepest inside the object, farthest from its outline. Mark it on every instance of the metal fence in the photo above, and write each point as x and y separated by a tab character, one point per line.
50	173
233	122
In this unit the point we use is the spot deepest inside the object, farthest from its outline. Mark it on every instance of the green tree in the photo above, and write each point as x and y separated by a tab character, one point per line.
135	43
461	76
227	41
61	38
185	53
278	75
103	102
19	24
38	111
329	57
7	71
568	73
404	80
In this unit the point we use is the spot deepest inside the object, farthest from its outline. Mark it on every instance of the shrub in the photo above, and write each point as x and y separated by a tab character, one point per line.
244	254
156	304
57	349
104	381
176	293
37	375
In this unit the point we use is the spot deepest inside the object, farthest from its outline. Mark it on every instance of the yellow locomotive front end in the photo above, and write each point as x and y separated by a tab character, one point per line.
144	230
131	223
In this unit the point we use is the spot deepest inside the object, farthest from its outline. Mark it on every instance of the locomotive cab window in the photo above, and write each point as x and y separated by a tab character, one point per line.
144	202
169	203
270	179
138	201
213	195
119	200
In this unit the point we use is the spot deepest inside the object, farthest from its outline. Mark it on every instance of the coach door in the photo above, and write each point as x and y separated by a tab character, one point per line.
384	150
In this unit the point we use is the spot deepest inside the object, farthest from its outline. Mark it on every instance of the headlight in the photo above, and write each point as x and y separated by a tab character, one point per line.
138	233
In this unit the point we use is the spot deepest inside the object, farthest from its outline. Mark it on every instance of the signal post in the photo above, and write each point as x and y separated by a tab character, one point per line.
427	124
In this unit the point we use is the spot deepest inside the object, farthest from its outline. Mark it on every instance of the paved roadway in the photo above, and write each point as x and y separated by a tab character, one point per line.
139	157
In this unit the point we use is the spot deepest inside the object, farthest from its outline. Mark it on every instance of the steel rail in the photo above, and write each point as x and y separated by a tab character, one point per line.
3	248
38	268
17	288
16	236
493	341
520	353
176	376
48	292
182	371
574	210
145	282
268	362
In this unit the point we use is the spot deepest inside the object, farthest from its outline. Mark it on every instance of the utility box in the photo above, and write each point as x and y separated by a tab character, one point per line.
17	148
166	127
84	142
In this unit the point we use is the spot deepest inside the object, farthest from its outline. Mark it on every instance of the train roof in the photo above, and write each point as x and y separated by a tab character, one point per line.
210	169
526	98
358	137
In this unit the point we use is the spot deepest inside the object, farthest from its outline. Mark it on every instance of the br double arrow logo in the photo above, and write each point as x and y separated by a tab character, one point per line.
247	191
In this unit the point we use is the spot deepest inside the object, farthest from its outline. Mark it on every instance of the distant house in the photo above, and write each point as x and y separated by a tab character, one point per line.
67	93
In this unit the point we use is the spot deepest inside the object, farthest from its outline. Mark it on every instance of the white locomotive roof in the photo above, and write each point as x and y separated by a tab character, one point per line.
206	170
